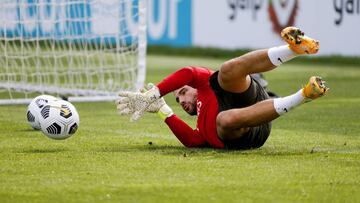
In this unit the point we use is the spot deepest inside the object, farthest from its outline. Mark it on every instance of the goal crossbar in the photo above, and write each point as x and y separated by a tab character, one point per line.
84	50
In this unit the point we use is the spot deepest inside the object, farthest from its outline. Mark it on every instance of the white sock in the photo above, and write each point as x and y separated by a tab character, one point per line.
281	54
285	104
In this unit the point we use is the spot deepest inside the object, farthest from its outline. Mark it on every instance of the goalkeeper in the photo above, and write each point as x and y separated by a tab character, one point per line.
233	110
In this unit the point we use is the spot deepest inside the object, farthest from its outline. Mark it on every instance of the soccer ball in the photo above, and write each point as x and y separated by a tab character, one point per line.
35	107
59	119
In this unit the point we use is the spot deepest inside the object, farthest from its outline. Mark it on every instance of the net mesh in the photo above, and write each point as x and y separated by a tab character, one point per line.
76	48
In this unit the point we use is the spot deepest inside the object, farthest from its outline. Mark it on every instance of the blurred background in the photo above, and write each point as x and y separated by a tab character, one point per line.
254	24
93	48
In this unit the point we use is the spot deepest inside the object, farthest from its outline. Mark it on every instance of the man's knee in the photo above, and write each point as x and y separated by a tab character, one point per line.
223	121
231	68
228	127
233	77
234	118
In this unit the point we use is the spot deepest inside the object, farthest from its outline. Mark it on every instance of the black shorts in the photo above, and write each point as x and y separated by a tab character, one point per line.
256	136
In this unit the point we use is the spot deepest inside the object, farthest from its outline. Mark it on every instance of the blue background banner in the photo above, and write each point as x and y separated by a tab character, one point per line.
169	21
175	27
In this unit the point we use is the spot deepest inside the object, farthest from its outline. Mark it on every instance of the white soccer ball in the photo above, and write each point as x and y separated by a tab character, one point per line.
35	107
59	119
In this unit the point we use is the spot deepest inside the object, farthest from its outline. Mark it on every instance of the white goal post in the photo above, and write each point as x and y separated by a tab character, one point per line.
85	50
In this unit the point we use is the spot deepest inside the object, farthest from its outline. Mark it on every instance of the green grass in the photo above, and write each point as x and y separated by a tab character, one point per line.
333	60
312	154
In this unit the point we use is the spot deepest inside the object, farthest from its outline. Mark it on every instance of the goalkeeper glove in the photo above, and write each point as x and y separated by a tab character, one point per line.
165	111
137	102
126	107
159	106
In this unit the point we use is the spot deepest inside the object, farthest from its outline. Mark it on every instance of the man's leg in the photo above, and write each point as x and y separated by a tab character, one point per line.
233	123
234	77
234	74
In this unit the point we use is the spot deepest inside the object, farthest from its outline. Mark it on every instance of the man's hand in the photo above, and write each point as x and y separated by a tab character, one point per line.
156	105
159	106
136	103
126	106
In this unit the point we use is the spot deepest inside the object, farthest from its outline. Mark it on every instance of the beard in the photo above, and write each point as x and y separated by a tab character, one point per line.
193	112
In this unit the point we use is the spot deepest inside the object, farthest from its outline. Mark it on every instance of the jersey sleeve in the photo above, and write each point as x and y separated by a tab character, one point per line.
185	134
195	77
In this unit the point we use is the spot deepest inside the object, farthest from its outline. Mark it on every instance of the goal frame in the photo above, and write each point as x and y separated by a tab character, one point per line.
86	95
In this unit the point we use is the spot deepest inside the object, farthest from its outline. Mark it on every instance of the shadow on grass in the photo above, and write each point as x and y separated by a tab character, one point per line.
147	148
28	130
181	150
40	151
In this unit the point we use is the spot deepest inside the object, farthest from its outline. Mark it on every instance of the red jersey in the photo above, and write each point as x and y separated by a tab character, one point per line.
205	133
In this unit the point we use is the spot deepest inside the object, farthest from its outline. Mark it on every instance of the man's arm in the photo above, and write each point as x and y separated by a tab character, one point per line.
140	101
185	134
192	76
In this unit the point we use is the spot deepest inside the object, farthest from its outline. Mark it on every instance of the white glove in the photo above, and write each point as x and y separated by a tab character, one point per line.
136	103
126	107
159	106
156	105
165	112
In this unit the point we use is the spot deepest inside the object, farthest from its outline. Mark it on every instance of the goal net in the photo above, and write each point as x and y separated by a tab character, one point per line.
85	50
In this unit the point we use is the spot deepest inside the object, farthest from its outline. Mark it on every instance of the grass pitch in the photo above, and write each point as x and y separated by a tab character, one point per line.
312	154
